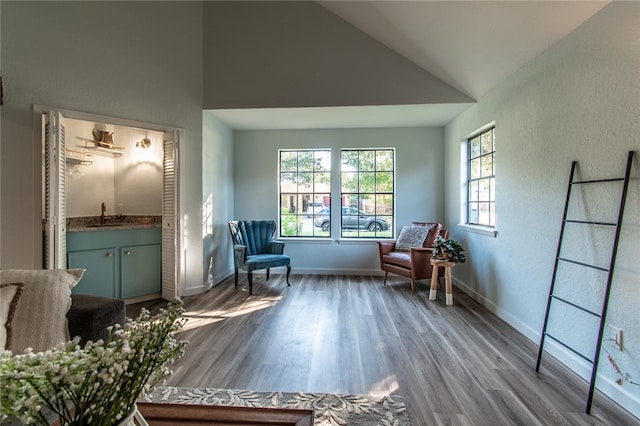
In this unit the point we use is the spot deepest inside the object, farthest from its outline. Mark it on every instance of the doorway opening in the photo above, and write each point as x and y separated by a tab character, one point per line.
103	171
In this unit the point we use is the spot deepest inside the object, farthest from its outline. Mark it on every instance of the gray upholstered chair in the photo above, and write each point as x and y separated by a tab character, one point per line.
254	248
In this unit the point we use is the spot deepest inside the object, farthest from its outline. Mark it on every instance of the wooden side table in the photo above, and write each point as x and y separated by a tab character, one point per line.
447	279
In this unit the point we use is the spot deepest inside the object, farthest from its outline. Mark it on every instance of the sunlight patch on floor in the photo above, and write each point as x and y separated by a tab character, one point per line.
386	386
203	317
252	306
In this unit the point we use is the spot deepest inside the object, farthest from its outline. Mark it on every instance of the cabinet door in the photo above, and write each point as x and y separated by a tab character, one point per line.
99	278
140	270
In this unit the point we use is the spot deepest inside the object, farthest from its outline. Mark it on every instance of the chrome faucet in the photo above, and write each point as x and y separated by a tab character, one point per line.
103	216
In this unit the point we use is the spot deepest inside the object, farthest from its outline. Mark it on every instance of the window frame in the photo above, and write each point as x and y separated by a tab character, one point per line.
298	215
471	179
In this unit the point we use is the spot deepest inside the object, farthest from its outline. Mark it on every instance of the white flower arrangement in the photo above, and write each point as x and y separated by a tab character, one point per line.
97	384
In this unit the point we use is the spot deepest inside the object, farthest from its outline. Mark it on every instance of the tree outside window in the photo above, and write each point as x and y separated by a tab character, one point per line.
367	193
305	190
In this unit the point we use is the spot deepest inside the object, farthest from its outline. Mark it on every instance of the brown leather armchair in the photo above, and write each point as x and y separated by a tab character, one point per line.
415	263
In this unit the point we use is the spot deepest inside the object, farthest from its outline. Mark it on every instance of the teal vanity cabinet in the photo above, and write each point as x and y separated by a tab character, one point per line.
119	263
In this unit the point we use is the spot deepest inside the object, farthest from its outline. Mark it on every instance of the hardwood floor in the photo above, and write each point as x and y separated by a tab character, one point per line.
453	365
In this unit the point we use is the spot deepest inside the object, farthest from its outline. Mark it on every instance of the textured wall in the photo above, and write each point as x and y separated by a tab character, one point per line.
576	101
217	183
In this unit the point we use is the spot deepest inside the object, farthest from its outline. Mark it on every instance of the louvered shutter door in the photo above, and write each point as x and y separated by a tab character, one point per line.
55	227
170	225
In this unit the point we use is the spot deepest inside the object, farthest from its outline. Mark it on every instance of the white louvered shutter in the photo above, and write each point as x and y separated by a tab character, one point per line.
170	219
55	227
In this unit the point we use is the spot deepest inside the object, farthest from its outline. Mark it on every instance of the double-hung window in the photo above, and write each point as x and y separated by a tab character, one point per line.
481	179
305	192
367	193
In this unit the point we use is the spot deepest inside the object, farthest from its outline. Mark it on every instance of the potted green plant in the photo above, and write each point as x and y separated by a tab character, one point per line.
448	249
98	383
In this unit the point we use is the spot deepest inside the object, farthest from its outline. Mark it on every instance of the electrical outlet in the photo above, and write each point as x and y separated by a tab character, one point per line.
615	335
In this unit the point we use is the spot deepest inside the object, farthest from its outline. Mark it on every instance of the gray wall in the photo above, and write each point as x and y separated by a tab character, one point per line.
132	60
576	101
217	183
290	54
419	186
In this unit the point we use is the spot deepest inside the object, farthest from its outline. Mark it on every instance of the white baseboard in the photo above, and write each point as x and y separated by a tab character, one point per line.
576	364
143	298
321	271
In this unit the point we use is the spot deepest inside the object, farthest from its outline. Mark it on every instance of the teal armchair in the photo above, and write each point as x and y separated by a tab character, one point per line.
254	248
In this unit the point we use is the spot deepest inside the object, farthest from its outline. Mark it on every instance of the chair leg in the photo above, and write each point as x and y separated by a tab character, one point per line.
236	282
267	274
288	273
413	286
250	278
386	273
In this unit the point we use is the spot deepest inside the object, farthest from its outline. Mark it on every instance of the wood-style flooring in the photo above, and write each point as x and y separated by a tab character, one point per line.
453	365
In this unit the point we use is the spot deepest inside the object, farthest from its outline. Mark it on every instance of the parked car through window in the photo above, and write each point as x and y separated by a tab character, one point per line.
352	218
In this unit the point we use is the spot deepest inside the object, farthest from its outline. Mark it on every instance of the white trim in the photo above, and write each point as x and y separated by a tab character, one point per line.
304	240
318	271
481	230
359	241
481	130
143	298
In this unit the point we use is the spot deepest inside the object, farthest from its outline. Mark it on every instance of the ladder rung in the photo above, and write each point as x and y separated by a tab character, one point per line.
595	314
584	264
589	360
597	181
589	222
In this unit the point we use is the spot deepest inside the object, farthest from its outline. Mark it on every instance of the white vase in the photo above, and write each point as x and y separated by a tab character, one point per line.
134	418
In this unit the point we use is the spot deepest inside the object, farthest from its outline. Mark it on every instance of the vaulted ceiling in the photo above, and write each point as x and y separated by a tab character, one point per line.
470	45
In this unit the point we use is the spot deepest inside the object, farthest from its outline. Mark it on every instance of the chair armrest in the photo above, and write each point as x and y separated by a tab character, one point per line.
421	254
421	262
276	247
239	255
386	247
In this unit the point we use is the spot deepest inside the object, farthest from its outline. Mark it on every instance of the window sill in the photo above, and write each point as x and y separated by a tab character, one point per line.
481	230
303	240
360	240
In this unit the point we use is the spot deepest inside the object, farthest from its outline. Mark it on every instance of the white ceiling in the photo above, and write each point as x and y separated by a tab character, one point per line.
471	45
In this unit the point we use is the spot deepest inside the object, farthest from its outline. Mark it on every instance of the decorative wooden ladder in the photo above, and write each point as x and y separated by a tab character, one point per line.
601	316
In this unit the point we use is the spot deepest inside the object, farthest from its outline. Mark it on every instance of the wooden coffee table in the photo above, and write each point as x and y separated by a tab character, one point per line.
192	414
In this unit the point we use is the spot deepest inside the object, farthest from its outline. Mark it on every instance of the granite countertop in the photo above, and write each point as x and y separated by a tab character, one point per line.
113	227
113	223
